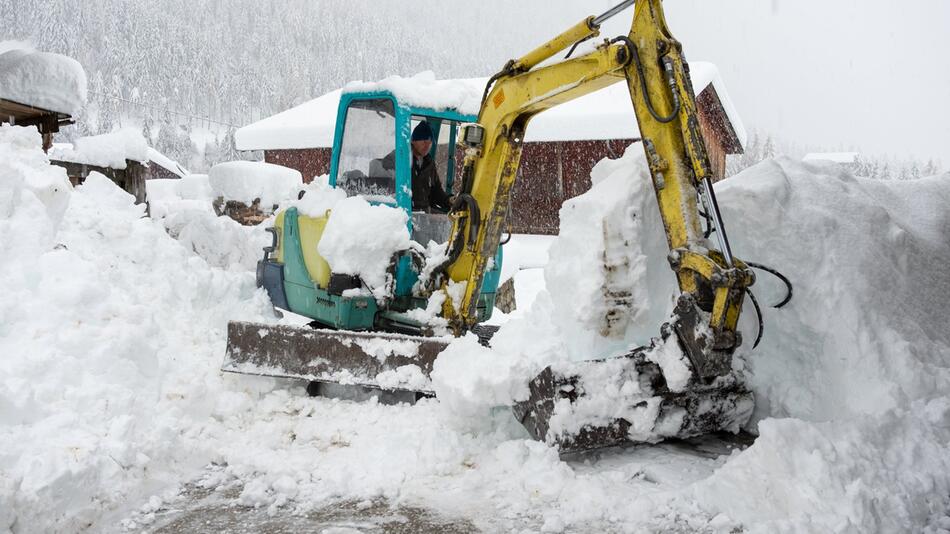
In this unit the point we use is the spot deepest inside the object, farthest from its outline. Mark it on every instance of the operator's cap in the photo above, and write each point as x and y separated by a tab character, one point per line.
422	132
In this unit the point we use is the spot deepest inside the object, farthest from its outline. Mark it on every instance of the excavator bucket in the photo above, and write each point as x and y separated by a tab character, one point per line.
591	404
369	359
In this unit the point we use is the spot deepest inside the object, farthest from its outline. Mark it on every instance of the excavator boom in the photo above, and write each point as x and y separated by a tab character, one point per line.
712	282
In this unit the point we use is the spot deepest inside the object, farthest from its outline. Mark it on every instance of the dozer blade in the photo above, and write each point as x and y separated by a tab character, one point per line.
369	359
600	403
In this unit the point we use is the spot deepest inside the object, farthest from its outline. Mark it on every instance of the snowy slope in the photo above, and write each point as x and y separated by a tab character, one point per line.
110	391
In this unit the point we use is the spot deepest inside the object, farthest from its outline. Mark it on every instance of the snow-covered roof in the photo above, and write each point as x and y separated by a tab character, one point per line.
837	157
41	79
608	113
309	125
112	149
105	150
156	157
605	114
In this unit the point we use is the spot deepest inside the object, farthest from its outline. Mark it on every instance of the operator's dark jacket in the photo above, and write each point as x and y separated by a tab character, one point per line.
427	192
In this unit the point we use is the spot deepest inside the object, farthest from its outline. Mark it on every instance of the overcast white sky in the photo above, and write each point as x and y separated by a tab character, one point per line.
871	75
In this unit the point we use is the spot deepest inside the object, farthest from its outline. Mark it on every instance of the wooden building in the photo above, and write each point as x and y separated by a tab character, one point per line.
46	121
40	89
561	145
131	178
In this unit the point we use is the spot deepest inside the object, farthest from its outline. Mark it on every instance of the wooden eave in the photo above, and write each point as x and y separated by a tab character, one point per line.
27	115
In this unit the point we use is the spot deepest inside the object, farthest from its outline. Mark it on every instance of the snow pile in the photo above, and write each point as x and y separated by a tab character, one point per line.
360	239
111	334
49	81
851	378
318	198
106	150
184	207
195	187
189	193
424	90
247	181
575	319
220	241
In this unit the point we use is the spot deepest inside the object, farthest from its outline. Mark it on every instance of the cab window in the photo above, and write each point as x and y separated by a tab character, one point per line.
367	151
443	151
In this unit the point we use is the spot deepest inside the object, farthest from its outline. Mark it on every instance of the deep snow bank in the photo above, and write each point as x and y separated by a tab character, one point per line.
111	334
105	150
857	365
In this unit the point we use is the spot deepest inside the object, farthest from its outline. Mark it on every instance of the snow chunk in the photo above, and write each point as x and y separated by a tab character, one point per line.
672	361
245	181
195	187
318	198
469	379
607	276
41	79
381	348
423	90
167	196
408	377
30	189
360	239
106	150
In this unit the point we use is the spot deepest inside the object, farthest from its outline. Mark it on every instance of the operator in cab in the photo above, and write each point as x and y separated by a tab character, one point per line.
427	192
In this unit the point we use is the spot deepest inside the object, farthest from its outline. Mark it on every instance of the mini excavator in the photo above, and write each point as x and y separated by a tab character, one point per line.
340	345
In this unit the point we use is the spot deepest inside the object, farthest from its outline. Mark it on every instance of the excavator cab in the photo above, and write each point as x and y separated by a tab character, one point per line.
371	158
371	154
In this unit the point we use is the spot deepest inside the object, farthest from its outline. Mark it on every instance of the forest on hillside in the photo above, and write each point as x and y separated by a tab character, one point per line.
188	73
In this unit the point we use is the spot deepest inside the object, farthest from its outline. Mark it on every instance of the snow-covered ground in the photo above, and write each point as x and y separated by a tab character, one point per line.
112	332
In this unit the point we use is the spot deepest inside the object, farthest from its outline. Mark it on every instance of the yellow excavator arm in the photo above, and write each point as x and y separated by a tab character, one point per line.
650	60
